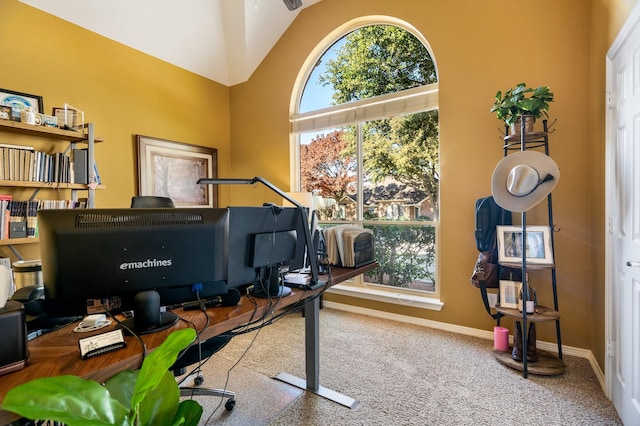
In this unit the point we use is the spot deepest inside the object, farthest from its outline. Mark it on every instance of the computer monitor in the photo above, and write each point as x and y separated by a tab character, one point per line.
131	259
261	241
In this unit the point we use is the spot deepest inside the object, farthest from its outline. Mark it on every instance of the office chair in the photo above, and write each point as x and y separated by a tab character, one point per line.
194	354
151	201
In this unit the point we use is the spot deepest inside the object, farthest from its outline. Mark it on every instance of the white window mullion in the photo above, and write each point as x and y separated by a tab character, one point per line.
360	178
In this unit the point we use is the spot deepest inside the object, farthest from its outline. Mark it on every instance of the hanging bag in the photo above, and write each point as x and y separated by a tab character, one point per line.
488	215
486	272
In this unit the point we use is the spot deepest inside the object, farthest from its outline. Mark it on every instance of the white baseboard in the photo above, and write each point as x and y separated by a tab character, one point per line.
468	331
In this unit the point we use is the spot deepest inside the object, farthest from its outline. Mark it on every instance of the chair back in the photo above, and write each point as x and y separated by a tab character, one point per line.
151	201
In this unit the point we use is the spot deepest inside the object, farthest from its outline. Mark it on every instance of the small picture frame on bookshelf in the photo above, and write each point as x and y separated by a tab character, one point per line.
5	112
69	118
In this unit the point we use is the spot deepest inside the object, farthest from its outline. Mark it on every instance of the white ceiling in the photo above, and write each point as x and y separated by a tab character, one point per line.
222	40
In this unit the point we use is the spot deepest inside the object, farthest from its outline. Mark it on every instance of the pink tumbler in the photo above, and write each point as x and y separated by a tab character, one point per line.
501	338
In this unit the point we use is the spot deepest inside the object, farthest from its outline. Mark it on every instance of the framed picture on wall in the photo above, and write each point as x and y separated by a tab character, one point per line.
172	169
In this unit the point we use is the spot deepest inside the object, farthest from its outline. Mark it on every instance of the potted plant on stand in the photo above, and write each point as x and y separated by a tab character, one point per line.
522	101
149	396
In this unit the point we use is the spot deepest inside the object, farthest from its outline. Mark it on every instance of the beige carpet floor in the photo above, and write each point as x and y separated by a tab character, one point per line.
400	374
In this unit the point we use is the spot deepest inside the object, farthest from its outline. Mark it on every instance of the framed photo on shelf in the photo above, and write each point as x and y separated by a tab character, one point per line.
510	294
172	169
68	117
19	101
5	112
538	249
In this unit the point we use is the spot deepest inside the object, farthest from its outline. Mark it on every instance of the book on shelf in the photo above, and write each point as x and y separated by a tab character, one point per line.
20	218
17	219
24	163
80	166
13	159
32	218
4	215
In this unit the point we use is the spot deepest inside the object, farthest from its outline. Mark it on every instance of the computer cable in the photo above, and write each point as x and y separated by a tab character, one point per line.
226	382
252	320
197	370
203	309
251	324
263	321
133	333
198	367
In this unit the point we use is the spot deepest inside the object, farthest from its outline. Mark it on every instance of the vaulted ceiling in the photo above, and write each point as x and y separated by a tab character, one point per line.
222	40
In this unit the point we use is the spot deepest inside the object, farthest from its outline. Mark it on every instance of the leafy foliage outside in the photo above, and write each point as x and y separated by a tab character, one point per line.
377	60
327	167
404	253
374	61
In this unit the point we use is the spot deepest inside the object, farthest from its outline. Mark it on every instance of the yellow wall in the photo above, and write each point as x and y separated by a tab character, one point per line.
124	92
121	90
479	47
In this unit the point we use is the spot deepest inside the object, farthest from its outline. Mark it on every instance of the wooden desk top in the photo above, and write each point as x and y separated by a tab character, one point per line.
57	353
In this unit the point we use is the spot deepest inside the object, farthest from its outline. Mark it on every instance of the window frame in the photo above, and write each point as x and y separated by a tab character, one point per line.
415	100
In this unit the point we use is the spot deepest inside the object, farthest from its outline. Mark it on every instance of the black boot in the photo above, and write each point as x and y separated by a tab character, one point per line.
517	343
532	356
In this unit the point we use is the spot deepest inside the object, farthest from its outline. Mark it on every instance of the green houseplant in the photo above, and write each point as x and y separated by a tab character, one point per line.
521	101
149	396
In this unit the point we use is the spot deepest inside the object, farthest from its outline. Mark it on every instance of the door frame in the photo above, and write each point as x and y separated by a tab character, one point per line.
610	133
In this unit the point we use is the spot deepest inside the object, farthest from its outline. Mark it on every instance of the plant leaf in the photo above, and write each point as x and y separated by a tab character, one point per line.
158	362
188	414
528	104
161	403
121	386
67	399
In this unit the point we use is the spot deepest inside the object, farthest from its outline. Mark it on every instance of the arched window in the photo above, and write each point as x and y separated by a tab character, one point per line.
365	127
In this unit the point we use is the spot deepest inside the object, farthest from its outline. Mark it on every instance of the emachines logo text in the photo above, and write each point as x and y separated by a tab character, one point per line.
145	264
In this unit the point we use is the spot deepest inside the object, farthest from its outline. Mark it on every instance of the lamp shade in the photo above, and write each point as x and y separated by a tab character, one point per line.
304	198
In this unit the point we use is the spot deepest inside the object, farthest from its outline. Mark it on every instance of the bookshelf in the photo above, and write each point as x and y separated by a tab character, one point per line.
58	143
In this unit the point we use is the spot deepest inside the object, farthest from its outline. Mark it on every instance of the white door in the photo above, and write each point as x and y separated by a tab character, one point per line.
623	204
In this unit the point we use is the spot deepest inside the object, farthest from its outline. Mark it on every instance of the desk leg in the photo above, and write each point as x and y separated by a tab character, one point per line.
312	359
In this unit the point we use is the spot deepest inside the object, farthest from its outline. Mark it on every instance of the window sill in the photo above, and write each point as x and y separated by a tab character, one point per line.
387	296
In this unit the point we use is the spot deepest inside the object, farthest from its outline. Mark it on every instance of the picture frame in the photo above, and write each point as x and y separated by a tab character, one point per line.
68	117
19	101
172	169
539	251
510	294
5	112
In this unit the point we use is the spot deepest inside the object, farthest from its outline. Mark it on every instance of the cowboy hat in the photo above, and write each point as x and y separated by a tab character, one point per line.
523	179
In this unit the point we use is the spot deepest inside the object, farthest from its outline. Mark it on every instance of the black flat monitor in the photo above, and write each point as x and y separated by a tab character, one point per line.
128	259
262	240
